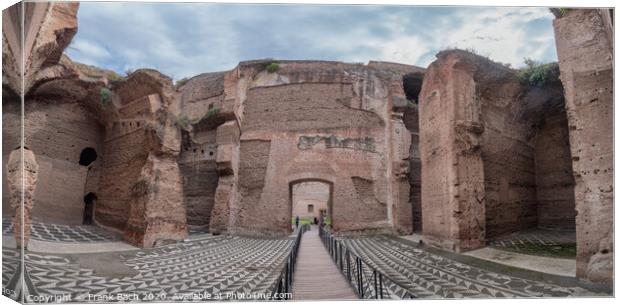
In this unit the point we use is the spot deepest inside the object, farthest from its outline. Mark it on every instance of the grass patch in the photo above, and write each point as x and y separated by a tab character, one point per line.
535	73
306	221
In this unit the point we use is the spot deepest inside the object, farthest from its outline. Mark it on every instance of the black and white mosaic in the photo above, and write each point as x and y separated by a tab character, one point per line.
427	275
206	269
64	233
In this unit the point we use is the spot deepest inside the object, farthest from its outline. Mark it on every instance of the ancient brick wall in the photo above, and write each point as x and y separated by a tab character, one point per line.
453	204
555	185
200	177
508	157
586	65
483	168
57	132
311	121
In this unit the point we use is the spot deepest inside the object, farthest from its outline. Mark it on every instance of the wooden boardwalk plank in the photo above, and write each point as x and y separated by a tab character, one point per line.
316	275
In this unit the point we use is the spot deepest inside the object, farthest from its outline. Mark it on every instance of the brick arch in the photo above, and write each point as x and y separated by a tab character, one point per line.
312	178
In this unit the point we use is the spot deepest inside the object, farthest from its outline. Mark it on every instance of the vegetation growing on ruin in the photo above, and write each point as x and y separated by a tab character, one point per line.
182	82
114	78
563	11
411	103
536	73
106	96
212	112
183	122
273	67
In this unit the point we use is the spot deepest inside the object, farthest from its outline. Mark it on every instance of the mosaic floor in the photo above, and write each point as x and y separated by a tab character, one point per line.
197	270
539	242
211	267
427	275
63	233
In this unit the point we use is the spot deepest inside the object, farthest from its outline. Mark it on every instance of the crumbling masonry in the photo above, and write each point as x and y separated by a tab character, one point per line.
462	152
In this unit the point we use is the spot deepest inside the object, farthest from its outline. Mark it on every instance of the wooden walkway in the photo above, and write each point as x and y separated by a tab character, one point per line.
316	275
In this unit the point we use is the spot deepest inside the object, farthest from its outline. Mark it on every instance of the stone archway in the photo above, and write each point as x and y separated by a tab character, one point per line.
314	192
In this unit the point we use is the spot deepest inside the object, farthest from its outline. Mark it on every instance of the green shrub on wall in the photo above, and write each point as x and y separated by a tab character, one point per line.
106	96
273	67
536	73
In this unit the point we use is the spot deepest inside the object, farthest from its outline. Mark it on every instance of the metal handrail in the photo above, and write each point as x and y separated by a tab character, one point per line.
367	281
283	289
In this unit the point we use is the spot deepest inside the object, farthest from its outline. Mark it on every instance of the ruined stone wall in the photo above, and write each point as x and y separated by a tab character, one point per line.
453	202
586	64
307	121
58	126
508	157
57	132
137	181
124	157
483	167
200	101
555	184
200	177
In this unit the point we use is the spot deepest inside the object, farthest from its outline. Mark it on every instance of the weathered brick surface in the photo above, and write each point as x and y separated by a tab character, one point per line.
586	64
555	184
483	168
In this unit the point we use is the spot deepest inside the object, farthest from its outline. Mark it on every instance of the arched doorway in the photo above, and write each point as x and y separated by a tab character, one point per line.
311	201
89	207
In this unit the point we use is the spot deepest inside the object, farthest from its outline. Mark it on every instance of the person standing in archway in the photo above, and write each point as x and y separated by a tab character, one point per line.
296	222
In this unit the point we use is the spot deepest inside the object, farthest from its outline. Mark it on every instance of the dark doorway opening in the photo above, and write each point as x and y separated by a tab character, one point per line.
88	156
89	203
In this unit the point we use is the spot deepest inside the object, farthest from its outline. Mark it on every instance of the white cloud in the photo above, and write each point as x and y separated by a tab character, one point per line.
89	49
407	50
499	34
183	40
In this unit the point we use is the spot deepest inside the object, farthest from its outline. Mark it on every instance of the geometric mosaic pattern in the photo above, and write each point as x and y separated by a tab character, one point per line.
539	242
194	270
63	233
427	275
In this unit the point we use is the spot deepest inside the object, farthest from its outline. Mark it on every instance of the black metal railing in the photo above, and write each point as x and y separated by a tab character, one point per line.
283	288
366	280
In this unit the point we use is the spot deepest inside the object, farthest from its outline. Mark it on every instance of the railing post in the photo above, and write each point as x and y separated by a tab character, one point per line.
374	277
348	266
381	285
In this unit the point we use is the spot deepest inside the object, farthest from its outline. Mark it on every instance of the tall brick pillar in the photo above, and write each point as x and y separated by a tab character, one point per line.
585	56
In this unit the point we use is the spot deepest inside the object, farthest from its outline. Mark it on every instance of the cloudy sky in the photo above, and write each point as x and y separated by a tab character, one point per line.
183	40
